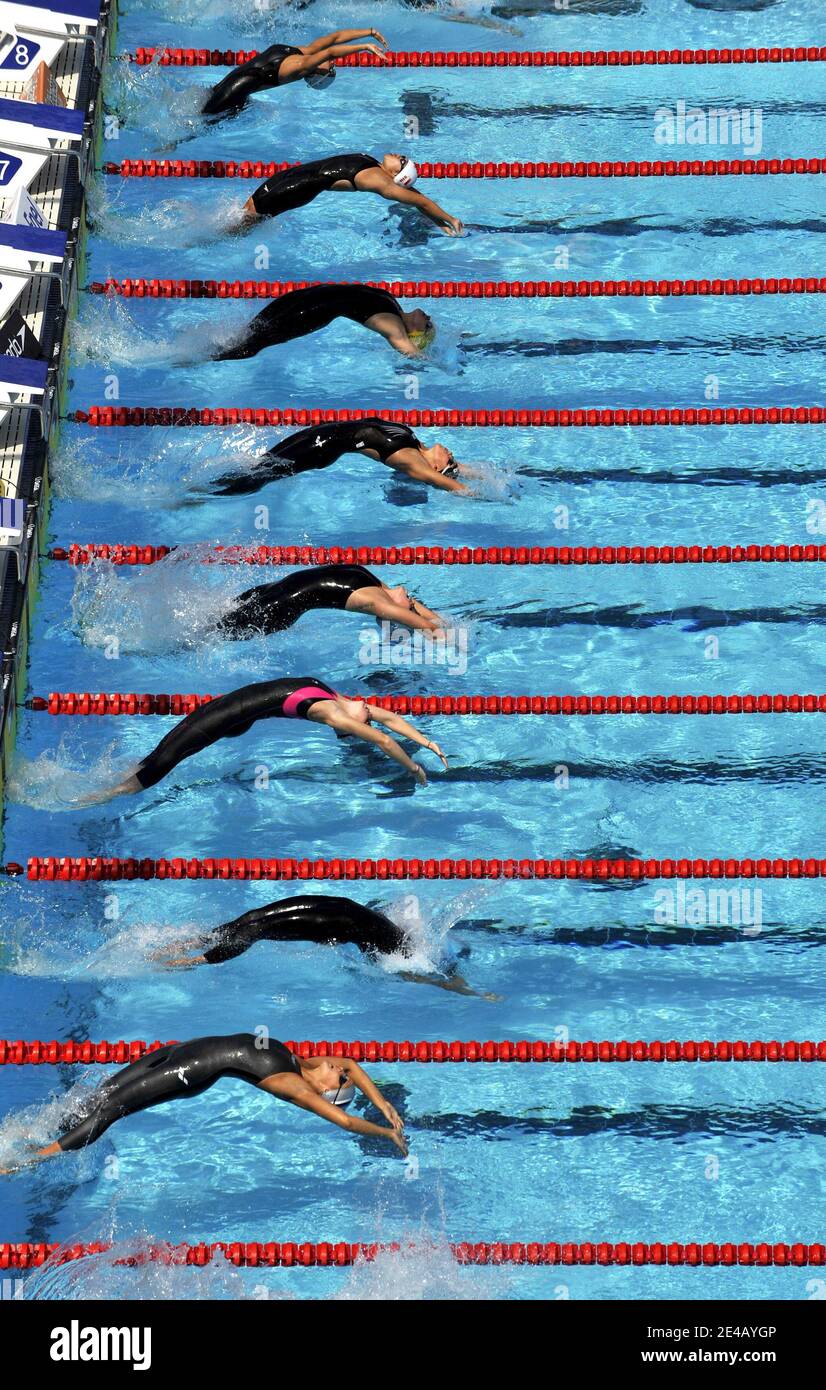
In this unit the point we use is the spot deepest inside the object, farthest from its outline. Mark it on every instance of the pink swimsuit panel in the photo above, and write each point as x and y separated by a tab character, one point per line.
307	692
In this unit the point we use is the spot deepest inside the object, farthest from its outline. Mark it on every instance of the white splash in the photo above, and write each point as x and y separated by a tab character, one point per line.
170	222
24	1131
166	607
422	1269
54	782
125	1272
167	470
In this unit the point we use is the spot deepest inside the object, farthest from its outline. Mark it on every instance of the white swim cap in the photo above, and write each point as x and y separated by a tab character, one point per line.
320	79
342	1095
408	173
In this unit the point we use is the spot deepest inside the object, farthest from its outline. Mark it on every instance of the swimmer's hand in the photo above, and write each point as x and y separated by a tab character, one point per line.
372	48
452	226
397	1137
420	775
374	34
392	1116
434	748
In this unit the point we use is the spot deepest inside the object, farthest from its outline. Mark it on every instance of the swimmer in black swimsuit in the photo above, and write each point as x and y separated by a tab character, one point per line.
302	697
324	919
270	608
299	312
321	445
282	63
323	1085
311	917
344	173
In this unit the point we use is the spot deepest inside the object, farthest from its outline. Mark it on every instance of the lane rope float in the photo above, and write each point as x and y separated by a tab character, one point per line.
332	1254
140	288
564	555
526	417
97	869
21	1053
84	703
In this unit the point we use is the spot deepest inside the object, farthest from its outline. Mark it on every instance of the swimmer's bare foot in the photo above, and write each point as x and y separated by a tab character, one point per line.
183	963
242	221
49	1152
125	788
35	1157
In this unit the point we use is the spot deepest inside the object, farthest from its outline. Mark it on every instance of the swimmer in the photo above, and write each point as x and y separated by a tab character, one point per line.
324	919
270	608
318	447
282	63
299	312
323	1085
393	179
328	920
300	697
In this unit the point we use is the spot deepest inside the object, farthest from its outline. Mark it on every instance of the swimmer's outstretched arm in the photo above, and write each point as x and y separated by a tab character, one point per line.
295	1090
343	36
390	327
405	730
396	194
368	1088
329	713
422	610
410	461
301	65
382	606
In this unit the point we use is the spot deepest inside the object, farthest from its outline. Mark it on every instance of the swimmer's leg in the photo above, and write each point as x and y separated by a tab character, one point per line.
269	327
226	942
234	938
157	1077
242	221
170	962
198	731
269	468
111	1102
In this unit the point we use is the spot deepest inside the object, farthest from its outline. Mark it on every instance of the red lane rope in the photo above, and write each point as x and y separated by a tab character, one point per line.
38	1053
524	417
330	1254
88	869
466	169
85	702
465	289
561	58
452	555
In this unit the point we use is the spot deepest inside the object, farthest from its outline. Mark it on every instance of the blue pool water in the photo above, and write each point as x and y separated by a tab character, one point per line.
608	1152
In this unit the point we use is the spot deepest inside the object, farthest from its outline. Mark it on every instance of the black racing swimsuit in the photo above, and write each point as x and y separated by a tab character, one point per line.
177	1072
318	447
232	715
233	91
309	918
294	188
274	607
300	312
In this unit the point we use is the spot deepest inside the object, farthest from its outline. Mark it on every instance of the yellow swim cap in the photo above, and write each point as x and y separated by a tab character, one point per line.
422	337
